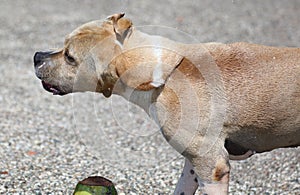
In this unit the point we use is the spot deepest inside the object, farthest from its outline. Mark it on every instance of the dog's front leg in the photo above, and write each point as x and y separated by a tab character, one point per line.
213	170
187	184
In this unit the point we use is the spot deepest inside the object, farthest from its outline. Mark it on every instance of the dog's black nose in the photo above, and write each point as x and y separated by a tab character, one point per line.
39	57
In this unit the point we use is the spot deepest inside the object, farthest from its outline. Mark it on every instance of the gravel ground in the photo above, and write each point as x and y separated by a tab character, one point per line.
49	143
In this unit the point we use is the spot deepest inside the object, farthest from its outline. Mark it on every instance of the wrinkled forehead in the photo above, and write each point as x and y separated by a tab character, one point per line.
93	30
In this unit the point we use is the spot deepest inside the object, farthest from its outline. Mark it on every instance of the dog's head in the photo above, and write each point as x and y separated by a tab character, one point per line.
83	62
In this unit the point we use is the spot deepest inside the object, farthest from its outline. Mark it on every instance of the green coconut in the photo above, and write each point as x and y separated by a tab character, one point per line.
95	186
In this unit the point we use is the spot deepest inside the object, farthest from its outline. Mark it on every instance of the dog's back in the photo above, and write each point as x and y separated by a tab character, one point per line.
263	92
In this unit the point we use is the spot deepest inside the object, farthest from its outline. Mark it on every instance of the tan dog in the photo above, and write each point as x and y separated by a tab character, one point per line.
213	102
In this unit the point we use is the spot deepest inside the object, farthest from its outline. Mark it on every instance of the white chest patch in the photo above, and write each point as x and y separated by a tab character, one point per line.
157	75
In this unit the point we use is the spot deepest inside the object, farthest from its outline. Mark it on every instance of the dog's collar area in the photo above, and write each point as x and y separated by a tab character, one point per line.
103	88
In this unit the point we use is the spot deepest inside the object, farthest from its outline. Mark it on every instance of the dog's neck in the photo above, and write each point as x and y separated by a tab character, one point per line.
140	68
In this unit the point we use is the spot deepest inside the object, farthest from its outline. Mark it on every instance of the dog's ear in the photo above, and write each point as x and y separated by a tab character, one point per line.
122	26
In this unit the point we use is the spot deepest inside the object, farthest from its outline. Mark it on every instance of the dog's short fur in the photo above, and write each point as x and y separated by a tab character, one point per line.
213	101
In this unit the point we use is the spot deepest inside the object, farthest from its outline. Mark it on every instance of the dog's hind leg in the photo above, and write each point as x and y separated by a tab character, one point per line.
187	184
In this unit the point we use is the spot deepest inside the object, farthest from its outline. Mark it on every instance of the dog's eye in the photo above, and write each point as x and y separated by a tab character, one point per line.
69	58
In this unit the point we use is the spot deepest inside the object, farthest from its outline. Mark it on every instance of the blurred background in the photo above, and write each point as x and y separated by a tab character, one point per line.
49	143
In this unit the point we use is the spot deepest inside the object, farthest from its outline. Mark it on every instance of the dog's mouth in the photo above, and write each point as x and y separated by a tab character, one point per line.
52	89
